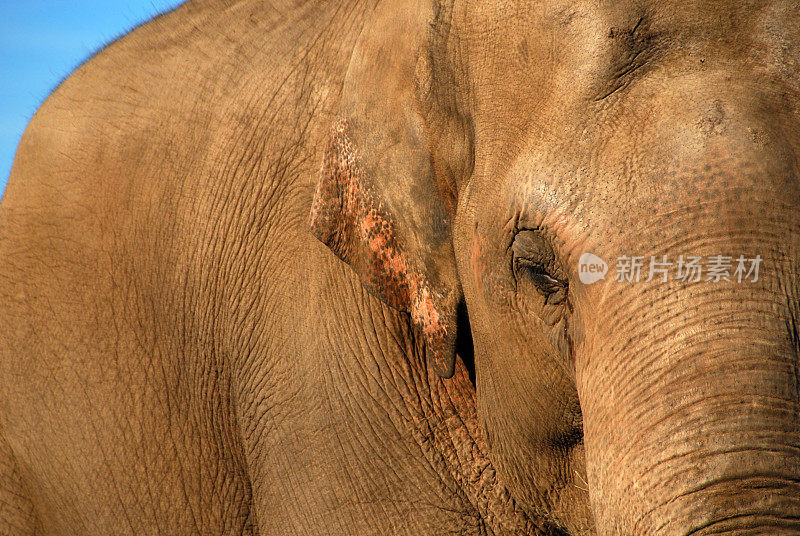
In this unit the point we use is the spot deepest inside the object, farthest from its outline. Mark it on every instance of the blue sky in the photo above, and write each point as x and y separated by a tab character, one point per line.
42	41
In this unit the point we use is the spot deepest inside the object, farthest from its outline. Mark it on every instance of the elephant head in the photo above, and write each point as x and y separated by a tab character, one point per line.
483	148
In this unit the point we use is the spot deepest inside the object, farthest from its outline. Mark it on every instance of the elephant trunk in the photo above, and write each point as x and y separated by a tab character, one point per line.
693	428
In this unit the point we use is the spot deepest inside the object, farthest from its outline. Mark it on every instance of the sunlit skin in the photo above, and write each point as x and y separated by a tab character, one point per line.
315	268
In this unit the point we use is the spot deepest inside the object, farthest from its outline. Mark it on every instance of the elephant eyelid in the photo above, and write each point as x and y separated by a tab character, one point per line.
533	258
553	289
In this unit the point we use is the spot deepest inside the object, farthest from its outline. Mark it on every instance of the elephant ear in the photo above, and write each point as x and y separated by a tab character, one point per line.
377	205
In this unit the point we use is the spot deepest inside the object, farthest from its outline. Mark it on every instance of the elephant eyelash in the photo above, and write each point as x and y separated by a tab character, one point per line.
553	289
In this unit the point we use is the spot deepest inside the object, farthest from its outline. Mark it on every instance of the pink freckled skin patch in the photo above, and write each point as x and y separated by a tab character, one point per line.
347	218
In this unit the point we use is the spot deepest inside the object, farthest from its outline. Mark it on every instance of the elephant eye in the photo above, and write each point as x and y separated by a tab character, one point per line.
534	260
554	290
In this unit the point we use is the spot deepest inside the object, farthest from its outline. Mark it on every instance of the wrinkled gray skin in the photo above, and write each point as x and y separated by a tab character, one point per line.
233	246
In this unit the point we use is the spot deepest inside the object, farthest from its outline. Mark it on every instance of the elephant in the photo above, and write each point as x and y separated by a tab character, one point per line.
314	267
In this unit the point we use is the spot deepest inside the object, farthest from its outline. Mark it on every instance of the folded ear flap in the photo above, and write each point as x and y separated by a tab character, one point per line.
377	204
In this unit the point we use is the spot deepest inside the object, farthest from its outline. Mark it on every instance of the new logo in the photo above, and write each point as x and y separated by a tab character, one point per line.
591	268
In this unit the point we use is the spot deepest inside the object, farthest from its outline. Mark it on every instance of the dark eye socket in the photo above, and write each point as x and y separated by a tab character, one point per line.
535	260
